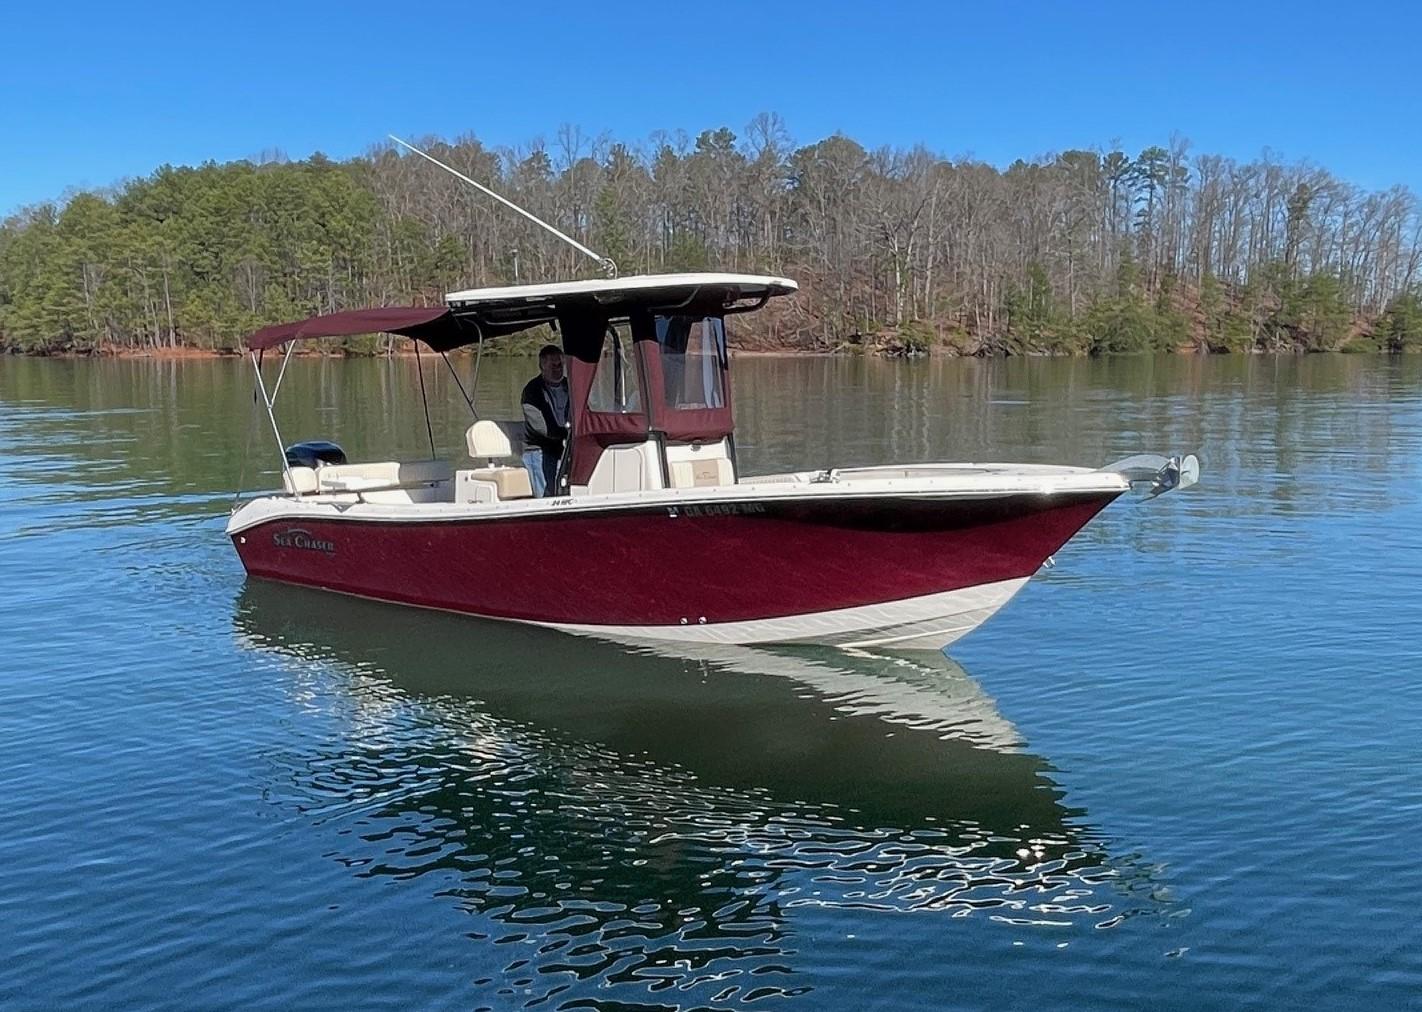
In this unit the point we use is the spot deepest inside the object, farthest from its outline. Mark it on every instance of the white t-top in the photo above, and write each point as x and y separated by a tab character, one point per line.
749	286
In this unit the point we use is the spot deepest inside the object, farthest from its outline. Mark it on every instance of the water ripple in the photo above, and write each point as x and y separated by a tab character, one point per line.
1184	768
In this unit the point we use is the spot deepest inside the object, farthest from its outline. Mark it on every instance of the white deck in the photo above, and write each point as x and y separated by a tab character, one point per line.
931	481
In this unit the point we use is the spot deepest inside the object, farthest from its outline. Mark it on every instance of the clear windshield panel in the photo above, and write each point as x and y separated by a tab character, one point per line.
615	386
693	354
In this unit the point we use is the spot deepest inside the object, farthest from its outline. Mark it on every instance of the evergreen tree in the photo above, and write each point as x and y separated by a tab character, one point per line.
1401	327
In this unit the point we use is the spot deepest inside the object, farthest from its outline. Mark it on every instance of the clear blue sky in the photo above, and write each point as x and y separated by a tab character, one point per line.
93	93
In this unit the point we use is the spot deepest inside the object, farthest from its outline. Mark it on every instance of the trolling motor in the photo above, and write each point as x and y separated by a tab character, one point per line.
1164	473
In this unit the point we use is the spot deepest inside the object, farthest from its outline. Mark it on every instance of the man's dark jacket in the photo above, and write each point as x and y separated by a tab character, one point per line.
534	396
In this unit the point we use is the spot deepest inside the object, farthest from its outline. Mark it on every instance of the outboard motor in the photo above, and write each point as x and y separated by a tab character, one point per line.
314	453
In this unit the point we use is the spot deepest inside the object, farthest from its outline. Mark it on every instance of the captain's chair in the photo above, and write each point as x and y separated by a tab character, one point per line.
493	444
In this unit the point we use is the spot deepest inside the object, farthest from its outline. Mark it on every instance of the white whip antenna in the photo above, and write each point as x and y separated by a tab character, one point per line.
606	263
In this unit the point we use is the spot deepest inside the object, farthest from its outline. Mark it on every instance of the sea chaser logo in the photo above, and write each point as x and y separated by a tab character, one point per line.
295	537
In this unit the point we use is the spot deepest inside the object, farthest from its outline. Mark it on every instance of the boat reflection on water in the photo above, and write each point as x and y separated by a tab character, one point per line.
649	821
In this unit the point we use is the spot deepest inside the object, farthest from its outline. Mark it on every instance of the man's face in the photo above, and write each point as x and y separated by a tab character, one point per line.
551	366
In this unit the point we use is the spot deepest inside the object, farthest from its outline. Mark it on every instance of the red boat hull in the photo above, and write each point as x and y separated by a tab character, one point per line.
670	566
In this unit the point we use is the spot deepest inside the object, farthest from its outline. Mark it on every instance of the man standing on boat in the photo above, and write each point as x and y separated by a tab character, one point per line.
545	420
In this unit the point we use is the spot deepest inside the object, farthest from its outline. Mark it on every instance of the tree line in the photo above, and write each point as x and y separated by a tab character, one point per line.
896	250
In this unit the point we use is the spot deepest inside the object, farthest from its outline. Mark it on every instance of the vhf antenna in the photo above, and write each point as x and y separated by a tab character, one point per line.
608	265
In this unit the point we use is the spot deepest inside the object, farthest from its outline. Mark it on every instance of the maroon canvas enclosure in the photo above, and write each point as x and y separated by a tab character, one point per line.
707	417
592	430
679	422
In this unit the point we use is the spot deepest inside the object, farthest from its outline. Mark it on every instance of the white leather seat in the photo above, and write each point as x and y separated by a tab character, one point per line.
343	477
299	479
491	442
386	481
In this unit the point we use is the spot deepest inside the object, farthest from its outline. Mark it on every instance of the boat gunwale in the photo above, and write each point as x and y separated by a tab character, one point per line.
338	506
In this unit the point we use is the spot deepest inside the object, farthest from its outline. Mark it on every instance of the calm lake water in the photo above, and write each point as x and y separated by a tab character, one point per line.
1183	768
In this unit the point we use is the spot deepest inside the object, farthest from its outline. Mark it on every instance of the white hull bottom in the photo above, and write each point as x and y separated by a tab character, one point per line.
916	623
